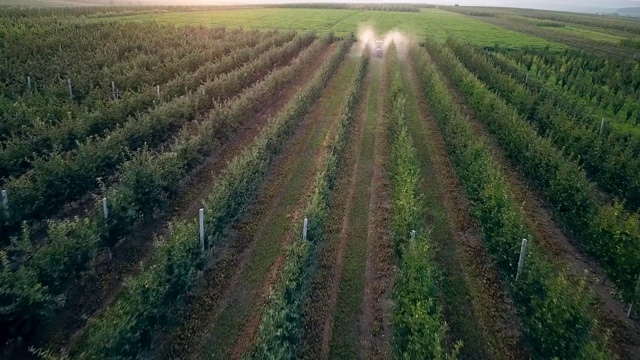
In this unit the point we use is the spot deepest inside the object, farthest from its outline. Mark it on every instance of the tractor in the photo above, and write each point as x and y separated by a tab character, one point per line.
378	49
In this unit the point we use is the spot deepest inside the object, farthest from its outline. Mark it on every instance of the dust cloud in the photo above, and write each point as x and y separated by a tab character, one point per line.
367	38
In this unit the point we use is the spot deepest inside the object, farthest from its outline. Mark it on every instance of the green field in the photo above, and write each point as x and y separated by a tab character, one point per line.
590	34
434	22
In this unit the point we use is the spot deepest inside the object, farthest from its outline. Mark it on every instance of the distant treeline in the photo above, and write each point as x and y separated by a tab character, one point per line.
631	11
106	11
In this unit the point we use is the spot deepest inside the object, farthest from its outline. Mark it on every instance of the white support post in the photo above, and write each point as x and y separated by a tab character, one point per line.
158	90
601	126
637	292
526	78
70	88
105	208
523	253
29	83
201	220
413	237
113	90
305	226
5	203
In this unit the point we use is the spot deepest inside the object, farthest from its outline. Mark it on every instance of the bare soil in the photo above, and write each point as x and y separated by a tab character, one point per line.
380	268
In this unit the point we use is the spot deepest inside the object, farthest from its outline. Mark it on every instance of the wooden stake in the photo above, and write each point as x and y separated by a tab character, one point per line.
105	208
5	203
601	126
637	292
523	253
201	216
305	225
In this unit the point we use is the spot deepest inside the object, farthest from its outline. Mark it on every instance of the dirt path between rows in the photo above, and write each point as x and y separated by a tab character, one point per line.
343	219
380	266
224	314
477	307
316	310
559	246
97	293
355	267
324	109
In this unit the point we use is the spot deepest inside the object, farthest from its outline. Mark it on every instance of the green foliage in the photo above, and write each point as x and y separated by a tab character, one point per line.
63	132
128	326
406	199
153	298
419	332
24	301
64	177
279	331
419	329
608	232
569	312
542	289
72	246
149	182
147	185
631	43
607	83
